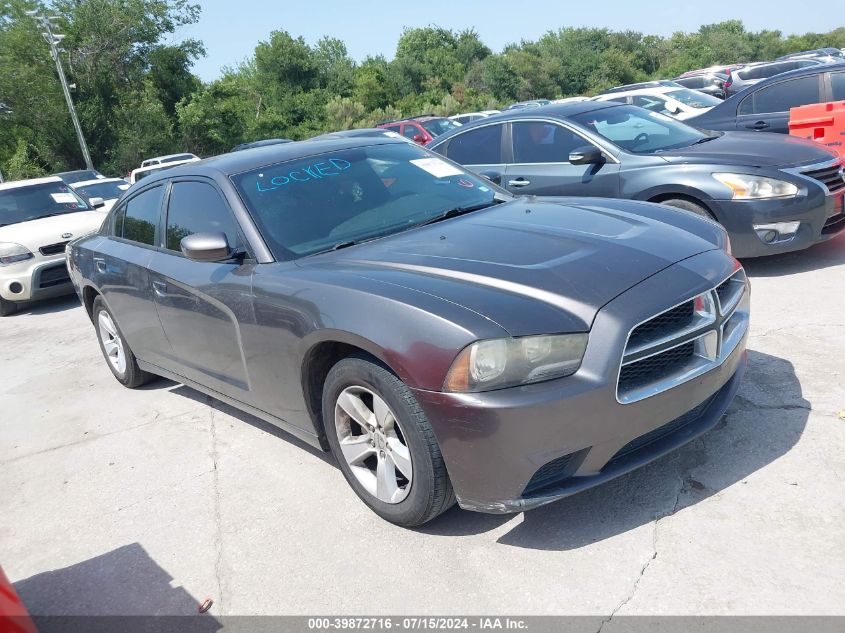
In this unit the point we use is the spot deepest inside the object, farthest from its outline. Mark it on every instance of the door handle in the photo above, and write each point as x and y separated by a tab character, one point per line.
160	288
519	182
758	125
101	264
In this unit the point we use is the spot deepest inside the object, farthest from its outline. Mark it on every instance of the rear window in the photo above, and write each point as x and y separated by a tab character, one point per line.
436	127
32	202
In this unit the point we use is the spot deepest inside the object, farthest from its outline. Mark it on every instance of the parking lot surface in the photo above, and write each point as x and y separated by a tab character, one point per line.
150	501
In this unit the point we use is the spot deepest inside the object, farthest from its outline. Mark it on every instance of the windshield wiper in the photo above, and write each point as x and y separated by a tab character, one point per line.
704	140
452	213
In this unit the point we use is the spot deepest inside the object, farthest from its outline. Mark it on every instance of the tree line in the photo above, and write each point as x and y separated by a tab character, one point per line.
137	97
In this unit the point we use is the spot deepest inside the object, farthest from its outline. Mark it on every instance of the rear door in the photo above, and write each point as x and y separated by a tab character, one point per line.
203	305
478	149
766	109
121	273
541	167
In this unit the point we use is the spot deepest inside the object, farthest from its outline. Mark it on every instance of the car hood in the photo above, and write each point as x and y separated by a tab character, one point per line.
59	228
750	149
533	265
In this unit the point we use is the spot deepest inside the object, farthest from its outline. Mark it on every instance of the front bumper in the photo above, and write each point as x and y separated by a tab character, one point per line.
38	278
821	216
494	443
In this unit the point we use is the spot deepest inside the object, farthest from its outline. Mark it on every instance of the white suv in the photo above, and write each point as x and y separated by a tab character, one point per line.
37	219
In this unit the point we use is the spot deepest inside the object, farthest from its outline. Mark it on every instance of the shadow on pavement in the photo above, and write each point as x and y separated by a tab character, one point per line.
243	416
764	422
47	306
824	255
122	590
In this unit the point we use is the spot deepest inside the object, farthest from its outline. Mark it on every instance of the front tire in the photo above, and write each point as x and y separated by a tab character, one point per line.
116	351
689	205
384	444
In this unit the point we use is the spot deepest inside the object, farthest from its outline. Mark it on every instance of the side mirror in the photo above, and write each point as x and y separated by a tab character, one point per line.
673	108
587	155
492	176
96	203
206	247
419	138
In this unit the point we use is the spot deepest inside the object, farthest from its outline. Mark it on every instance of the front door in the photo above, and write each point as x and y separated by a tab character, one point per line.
541	164
203	306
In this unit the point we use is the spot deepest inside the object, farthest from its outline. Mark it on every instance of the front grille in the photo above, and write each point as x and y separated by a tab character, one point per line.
53	276
683	342
655	367
663	324
834	224
830	177
53	249
662	431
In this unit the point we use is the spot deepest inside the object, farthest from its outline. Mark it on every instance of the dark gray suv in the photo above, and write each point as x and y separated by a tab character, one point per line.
442	339
772	193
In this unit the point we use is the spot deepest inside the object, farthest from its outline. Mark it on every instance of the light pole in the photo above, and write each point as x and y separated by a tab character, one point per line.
4	109
53	39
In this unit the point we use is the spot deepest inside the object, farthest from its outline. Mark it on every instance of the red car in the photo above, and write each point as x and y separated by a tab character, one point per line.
13	615
420	129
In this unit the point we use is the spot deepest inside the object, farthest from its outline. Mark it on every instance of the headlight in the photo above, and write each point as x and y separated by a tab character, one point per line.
11	253
748	187
509	362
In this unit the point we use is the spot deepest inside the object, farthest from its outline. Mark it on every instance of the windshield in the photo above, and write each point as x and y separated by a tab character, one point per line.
436	127
639	131
317	203
32	202
693	98
104	190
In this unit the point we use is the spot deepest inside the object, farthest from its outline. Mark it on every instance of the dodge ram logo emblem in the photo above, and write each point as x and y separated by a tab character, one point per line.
67	236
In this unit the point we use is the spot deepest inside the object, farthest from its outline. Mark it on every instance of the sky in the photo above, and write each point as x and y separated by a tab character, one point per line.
230	30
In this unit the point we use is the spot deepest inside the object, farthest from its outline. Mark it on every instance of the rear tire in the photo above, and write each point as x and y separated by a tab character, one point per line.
7	307
390	456
688	205
116	351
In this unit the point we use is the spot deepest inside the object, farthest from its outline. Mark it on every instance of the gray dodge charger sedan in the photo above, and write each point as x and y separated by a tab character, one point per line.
444	340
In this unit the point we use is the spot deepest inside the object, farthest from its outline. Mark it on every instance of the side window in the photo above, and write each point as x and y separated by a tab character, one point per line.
540	142
197	207
410	131
481	146
142	213
117	221
393	128
787	94
837	86
747	106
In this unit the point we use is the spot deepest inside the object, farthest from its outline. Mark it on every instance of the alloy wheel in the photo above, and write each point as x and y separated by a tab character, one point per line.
373	444
112	343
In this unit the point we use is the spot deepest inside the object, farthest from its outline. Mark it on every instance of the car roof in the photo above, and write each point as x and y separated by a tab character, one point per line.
553	110
798	72
95	181
15	184
660	90
169	156
254	158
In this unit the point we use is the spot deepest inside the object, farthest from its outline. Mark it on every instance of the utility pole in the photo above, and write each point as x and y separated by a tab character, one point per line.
4	109
53	39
